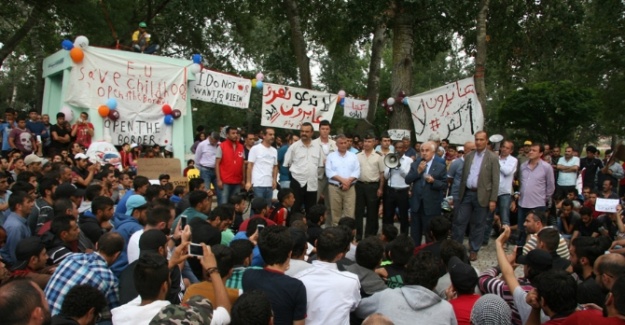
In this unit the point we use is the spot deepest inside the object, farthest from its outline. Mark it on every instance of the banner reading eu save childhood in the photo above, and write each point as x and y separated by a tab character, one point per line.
288	107
220	88
451	111
355	108
141	88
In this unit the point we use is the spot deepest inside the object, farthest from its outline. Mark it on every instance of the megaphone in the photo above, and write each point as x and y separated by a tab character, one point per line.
495	141
392	160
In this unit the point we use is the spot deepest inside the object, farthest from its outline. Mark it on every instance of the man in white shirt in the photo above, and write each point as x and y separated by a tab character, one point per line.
342	170
262	167
567	167
507	168
205	155
396	190
331	294
303	158
327	146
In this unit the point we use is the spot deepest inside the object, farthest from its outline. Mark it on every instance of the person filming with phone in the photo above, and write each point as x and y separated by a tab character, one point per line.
82	130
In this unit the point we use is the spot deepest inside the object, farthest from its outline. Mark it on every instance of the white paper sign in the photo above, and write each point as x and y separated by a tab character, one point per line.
606	205
141	88
398	134
288	107
452	111
220	88
355	108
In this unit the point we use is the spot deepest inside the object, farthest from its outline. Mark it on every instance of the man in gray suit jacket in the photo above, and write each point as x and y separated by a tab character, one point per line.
478	193
428	179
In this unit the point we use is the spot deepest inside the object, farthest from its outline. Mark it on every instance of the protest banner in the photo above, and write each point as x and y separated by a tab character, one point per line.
355	108
141	89
451	111
398	134
220	88
154	167
288	107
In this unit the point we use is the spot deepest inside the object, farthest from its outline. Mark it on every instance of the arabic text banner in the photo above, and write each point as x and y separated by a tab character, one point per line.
452	111
288	107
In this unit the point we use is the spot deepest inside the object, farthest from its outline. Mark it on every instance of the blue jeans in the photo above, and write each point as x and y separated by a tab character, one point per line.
228	190
266	192
209	177
522	212
473	215
503	207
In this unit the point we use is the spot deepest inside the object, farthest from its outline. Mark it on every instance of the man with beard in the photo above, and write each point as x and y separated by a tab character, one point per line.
159	218
230	166
612	314
23	302
584	253
303	158
607	269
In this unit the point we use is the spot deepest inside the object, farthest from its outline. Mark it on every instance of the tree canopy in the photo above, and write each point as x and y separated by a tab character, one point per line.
549	62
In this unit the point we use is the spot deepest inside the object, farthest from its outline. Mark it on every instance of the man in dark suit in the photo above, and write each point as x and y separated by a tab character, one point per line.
478	194
429	179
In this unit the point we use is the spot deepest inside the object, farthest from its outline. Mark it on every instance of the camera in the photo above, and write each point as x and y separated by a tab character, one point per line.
247	195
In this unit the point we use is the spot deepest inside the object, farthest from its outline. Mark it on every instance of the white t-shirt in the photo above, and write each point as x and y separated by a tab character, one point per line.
567	178
264	160
133	246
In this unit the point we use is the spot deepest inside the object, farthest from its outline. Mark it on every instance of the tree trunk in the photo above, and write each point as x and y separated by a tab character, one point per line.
373	78
402	74
480	56
11	44
299	43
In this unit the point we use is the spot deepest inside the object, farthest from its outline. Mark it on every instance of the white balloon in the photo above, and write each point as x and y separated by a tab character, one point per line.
82	42
195	68
390	101
69	113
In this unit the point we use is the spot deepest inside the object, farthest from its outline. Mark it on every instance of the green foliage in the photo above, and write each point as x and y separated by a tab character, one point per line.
550	112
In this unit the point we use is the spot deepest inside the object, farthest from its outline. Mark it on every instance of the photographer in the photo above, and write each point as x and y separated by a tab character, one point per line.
82	131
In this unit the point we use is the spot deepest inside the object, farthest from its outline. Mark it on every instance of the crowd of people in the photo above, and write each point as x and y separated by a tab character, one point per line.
336	229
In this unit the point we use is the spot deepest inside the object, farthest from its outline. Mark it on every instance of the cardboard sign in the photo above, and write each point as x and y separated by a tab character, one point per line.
398	134
154	167
179	181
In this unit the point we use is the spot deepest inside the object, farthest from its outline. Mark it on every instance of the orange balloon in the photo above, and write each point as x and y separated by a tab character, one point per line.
77	54
104	110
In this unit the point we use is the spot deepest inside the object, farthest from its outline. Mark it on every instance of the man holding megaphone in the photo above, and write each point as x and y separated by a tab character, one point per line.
396	190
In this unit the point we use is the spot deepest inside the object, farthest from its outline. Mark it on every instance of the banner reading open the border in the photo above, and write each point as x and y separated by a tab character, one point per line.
288	107
220	88
452	111
141	88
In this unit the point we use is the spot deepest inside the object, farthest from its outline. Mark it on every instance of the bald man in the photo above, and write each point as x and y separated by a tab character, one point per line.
428	179
607	269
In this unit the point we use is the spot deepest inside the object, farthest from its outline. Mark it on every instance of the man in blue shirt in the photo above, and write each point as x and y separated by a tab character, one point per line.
5	129
16	224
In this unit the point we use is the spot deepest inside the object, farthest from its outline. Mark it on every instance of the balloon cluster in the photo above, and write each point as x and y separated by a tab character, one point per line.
196	67
69	113
258	81
109	110
76	48
389	102
170	114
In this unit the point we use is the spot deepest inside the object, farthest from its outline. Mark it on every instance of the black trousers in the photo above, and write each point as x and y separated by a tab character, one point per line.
302	197
396	199
367	203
